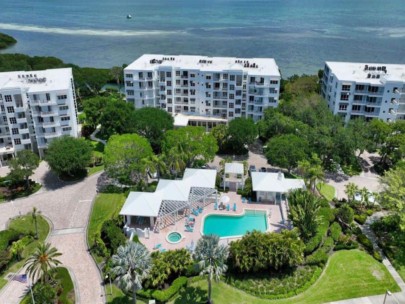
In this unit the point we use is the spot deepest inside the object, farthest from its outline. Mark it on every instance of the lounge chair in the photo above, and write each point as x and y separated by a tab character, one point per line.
250	200
228	207
234	206
200	210
216	206
189	229
157	246
195	212
243	200
162	250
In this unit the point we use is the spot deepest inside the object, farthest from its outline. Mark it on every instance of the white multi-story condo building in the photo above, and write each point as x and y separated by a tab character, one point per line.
215	87
365	90
35	107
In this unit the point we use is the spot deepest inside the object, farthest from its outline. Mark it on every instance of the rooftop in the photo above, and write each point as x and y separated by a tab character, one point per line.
376	73
37	81
148	203
275	182
181	120
254	66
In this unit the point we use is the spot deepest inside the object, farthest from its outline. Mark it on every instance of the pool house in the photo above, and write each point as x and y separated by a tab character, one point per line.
234	176
272	187
171	201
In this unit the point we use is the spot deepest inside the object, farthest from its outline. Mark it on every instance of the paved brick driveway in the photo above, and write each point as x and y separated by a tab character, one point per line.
67	206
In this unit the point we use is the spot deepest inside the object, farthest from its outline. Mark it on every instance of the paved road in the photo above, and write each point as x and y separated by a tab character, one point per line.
67	206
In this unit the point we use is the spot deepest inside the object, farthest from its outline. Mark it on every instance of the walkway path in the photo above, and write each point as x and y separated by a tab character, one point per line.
67	206
93	136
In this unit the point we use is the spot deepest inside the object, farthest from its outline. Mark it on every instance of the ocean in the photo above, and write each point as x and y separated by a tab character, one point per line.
299	34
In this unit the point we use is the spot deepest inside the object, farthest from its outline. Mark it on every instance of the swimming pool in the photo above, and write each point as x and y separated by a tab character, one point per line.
235	225
174	237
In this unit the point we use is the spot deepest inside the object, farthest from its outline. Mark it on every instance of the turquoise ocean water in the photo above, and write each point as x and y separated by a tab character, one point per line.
228	225
299	34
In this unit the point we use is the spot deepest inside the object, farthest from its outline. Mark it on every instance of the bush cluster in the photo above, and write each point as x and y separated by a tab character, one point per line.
360	218
321	255
365	242
112	235
335	231
165	295
326	217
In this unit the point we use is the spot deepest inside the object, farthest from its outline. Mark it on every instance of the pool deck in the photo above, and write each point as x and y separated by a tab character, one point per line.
275	223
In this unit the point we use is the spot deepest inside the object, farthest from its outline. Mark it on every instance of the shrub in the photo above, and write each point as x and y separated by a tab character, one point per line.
167	294
319	257
313	243
360	218
328	245
192	270
44	293
369	212
335	231
365	242
112	235
327	216
7	237
327	213
5	258
377	256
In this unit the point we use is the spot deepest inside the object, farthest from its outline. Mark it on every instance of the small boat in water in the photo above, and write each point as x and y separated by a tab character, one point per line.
129	16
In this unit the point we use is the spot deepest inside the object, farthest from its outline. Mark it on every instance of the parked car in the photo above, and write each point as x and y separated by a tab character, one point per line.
252	168
263	169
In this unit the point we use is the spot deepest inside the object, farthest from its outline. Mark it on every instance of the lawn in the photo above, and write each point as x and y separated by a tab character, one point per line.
105	207
25	224
94	170
349	274
327	191
118	297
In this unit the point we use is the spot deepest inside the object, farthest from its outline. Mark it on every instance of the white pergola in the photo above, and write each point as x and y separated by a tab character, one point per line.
173	199
234	173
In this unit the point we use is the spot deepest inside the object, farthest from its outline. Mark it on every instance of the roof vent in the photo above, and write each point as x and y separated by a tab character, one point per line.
280	176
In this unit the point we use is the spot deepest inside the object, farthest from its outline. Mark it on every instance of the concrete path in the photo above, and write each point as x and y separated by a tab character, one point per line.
93	136
395	298
67	206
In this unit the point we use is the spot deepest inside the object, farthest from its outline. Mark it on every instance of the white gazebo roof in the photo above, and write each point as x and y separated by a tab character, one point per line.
275	182
148	204
234	168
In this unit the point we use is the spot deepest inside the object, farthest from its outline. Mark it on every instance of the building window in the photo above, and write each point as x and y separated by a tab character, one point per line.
130	92
129	75
177	73
62	97
25	136
345	87
358	97
140	74
344	96
356	108
67	129
373	89
129	83
359	87
17	141
168	74
8	98
342	107
65	118
48	96
232	77
10	109
13	120
149	74
273	81
14	131
63	108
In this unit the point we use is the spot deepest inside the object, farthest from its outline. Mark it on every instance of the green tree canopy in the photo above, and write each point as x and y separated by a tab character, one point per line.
152	123
345	215
6	41
287	150
242	132
124	157
220	133
393	195
311	170
23	166
93	108
116	118
68	155
190	144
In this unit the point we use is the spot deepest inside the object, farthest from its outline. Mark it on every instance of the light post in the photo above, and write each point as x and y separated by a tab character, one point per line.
108	277
387	293
32	294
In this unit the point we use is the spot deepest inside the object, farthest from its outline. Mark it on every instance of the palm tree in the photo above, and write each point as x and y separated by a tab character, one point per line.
42	261
304	207
156	163
365	196
131	265
312	171
211	257
351	190
34	215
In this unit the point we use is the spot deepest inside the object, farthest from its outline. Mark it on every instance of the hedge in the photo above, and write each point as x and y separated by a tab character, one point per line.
327	216
360	218
335	231
167	294
367	244
7	237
